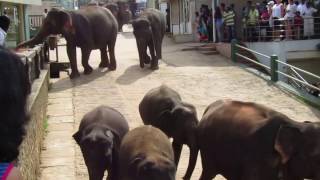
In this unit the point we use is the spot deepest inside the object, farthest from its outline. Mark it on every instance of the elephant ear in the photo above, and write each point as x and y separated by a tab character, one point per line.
77	137
66	21
287	140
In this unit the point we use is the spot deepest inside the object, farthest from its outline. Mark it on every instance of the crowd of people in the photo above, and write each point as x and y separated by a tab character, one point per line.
268	20
276	20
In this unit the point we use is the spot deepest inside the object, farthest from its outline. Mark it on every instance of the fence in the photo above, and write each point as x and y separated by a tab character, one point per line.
282	29
295	78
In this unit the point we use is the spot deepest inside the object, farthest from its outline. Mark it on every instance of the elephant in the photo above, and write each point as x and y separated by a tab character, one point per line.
146	154
90	28
149	29
245	140
163	108
121	12
99	137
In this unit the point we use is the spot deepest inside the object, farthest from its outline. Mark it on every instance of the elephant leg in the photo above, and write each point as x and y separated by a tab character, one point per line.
160	52
104	58
113	63
177	147
95	174
208	172
85	60
154	59
72	54
142	48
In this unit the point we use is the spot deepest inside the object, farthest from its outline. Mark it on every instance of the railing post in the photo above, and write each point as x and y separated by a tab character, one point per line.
274	68
233	50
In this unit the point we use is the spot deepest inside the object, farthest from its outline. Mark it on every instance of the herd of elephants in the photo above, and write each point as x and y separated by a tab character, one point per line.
240	140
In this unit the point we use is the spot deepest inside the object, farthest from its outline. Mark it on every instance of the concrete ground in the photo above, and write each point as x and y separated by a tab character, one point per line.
200	79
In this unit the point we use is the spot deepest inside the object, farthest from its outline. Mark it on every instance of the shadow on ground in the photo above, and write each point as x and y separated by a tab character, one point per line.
133	73
67	83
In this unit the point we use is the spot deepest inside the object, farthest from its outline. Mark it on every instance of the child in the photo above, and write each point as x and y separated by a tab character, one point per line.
14	89
298	24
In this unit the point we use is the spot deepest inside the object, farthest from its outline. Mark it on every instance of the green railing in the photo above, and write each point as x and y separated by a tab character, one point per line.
274	63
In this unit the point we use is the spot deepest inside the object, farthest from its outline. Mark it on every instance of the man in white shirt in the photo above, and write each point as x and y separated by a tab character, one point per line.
302	7
4	26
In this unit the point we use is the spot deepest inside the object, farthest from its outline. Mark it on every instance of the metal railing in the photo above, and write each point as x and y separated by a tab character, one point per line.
282	29
295	77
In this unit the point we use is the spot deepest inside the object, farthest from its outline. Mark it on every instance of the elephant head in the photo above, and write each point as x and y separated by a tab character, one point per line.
143	33
56	22
155	168
299	148
97	146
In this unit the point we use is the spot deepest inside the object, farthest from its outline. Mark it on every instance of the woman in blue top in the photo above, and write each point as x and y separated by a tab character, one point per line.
14	88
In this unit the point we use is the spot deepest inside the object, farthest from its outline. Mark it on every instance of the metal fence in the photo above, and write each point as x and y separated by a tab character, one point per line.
294	75
283	29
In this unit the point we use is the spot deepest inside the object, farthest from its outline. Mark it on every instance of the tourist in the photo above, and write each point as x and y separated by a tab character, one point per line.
290	11
302	7
277	14
308	20
228	18
252	22
14	88
218	24
4	26
298	25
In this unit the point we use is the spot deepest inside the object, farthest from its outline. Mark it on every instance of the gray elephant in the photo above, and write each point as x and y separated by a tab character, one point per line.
146	154
121	12
244	140
149	29
99	137
163	108
89	28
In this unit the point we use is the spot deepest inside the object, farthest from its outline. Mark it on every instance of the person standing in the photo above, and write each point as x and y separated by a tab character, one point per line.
277	14
14	89
252	22
218	24
302	6
289	18
45	13
228	17
4	26
308	20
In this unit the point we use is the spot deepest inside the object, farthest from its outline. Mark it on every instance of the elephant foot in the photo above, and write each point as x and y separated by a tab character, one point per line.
154	67
112	67
147	60
103	64
141	64
74	75
87	70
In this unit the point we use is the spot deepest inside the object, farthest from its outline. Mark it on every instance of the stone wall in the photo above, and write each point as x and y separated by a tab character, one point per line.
29	158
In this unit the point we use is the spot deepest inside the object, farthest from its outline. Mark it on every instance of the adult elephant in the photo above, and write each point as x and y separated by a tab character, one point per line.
121	11
163	108
244	140
149	29
89	28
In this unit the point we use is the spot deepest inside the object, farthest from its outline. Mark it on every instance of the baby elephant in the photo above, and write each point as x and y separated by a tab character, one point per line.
146	154
99	137
163	108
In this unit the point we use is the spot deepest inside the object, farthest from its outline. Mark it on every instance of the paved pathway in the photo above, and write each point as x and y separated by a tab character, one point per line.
200	79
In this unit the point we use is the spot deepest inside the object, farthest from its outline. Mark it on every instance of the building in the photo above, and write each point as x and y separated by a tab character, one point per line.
16	11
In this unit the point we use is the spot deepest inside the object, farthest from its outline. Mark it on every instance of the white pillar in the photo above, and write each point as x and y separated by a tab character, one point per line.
214	24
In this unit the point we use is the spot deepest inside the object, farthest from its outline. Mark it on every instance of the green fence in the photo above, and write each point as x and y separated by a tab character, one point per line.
274	63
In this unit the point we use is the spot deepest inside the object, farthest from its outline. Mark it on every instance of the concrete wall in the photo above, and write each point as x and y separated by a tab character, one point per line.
29	158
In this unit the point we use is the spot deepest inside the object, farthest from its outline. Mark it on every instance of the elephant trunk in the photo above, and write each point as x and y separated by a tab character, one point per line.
192	143
39	38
